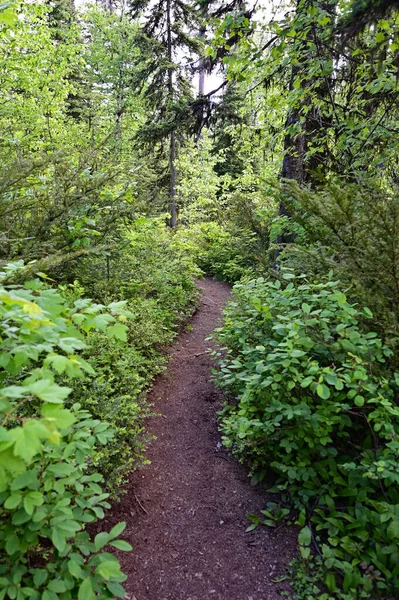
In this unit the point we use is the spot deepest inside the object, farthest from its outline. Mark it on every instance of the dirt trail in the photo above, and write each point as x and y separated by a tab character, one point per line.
186	512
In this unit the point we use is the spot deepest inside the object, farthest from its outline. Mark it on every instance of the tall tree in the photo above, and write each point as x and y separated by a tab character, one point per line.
169	33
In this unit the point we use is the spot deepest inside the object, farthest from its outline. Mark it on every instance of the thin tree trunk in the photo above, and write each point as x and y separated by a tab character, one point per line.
172	185
106	4
119	104
319	122
201	89
172	150
201	79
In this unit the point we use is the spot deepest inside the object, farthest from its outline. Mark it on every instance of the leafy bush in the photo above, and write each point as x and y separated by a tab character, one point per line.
228	255
353	229
48	489
149	263
154	273
317	405
117	395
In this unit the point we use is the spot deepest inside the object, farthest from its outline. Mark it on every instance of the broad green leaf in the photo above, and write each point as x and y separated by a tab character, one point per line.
59	362
27	479
101	540
47	390
330	582
116	589
323	391
58	537
14	391
40	577
121	545
109	569
28	439
117	530
57	586
61	469
305	536
10	461
70	344
393	529
118	331
20	517
12	544
306	382
13	501
359	400
8	16
31	500
75	569
69	527
102	321
86	590
61	417
49	595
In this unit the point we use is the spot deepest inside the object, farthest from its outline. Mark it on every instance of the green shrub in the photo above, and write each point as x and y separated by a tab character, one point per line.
228	255
353	229
45	551
316	404
117	395
155	273
150	263
48	489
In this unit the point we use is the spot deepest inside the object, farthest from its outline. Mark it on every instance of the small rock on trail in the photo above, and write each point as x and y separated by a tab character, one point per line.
186	511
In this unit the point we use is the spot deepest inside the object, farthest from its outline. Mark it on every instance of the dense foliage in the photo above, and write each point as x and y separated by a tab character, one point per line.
125	173
316	404
154	273
49	490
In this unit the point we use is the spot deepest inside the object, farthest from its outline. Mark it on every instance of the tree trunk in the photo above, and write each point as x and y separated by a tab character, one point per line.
318	121
172	184
201	77
119	103
172	150
201	89
106	4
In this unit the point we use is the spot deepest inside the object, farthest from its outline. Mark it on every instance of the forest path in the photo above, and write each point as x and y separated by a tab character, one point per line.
186	511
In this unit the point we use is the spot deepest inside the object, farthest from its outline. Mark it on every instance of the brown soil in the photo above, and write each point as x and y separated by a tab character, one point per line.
186	511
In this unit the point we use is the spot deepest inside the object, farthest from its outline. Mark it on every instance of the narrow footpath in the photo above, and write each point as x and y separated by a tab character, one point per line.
186	511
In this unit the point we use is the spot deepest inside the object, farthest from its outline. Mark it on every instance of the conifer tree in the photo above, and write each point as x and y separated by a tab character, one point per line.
169	36
173	34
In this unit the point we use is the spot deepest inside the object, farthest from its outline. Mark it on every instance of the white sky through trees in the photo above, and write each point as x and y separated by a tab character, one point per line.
213	80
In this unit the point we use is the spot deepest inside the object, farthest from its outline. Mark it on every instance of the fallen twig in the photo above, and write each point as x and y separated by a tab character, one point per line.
141	506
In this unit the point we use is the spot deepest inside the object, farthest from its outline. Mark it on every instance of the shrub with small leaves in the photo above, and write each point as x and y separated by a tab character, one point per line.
317	405
228	254
156	276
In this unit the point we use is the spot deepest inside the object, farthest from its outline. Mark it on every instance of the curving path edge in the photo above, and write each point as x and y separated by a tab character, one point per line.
186	511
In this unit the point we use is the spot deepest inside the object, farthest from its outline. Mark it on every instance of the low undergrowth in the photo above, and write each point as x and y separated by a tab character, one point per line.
155	276
226	253
73	377
316	403
49	489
